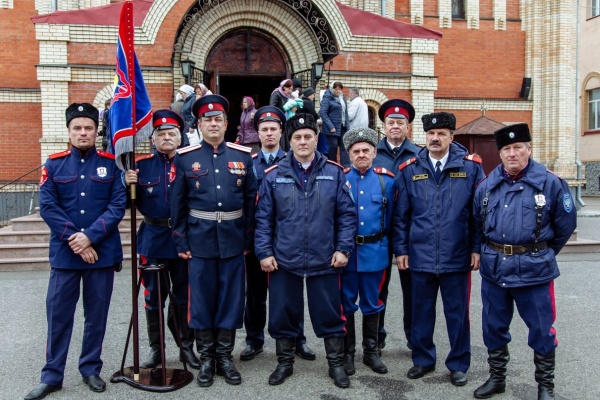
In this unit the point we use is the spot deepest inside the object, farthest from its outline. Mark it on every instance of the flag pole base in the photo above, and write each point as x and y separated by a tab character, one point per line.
152	380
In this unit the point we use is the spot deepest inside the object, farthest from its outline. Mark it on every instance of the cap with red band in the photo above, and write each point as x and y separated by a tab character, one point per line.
268	113
397	108
210	105
166	119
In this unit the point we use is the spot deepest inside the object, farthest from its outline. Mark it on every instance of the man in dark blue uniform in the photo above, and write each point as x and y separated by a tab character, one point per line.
268	122
305	226
154	243
214	194
524	216
434	235
393	150
374	193
82	200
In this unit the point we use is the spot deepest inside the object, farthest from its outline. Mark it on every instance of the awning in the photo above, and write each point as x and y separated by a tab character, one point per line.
101	15
368	24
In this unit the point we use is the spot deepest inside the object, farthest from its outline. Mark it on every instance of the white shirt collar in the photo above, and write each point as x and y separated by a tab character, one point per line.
444	160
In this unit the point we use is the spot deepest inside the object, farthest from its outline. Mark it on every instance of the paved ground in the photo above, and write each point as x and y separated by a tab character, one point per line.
22	307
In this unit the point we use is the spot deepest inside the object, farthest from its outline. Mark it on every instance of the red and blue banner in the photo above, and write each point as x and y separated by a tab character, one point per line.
130	101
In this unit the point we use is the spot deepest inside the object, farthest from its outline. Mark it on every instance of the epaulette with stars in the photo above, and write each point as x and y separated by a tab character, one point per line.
238	147
383	171
474	157
59	155
271	168
143	157
334	163
406	163
188	149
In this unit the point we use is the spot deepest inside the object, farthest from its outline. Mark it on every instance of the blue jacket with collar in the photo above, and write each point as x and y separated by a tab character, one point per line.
511	218
433	221
331	113
82	192
303	228
385	157
154	201
369	203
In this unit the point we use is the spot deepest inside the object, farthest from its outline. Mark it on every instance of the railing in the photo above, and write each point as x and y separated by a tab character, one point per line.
20	196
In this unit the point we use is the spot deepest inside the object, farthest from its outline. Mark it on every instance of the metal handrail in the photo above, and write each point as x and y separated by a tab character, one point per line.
16	179
18	197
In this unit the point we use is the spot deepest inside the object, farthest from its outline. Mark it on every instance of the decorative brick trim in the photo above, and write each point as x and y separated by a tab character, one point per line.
475	104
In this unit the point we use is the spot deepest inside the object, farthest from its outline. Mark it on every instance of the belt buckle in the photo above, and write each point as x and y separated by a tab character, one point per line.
169	222
359	240
507	249
219	216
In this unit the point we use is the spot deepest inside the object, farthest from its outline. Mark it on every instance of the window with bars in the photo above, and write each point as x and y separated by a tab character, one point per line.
594	109
458	9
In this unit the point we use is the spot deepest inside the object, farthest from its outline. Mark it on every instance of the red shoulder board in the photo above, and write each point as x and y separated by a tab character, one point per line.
271	168
334	163
406	163
383	171
346	170
143	157
474	157
187	149
255	155
105	154
238	147
59	155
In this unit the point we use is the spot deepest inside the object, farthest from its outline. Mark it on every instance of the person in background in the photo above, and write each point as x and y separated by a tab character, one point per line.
187	93
358	111
178	103
247	134
105	131
334	113
279	97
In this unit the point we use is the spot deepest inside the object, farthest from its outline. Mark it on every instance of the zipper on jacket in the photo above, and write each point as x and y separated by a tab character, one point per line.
305	232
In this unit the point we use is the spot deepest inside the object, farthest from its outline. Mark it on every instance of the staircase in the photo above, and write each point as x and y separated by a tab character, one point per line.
24	243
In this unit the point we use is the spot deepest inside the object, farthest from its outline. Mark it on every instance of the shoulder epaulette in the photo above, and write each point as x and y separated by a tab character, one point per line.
105	154
554	173
143	157
406	163
255	155
189	148
59	155
346	170
481	181
334	163
383	171
271	168
238	147
474	157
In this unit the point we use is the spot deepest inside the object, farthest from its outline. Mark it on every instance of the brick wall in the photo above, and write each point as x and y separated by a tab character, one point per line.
19	138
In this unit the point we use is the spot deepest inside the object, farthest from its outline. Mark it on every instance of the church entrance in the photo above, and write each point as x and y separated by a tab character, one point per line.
245	62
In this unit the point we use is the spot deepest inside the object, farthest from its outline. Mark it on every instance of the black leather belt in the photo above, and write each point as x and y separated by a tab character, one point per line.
158	221
360	240
510	249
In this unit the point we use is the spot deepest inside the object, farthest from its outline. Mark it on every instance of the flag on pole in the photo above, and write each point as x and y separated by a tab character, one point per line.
130	101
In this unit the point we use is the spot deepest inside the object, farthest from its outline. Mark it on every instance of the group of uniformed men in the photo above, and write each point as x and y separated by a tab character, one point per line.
229	226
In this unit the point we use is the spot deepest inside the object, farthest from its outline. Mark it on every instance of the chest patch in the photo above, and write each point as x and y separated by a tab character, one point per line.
458	174
420	177
102	172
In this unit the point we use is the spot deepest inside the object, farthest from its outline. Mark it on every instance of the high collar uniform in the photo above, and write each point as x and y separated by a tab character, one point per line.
385	157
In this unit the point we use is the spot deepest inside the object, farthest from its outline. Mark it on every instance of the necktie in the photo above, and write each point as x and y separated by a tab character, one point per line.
438	169
271	159
396	150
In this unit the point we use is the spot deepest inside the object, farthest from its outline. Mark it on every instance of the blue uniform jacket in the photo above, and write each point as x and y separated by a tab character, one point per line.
302	229
331	113
385	157
213	179
433	221
153	200
82	193
369	200
260	164
511	219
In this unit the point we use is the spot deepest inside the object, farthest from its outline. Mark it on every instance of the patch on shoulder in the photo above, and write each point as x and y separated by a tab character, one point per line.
189	148
406	163
334	163
474	157
143	157
59	155
383	171
238	147
346	170
105	154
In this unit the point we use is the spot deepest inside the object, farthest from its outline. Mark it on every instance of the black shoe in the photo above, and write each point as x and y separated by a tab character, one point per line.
339	376
250	352
417	371
305	352
226	368
458	378
95	383
41	391
205	377
281	372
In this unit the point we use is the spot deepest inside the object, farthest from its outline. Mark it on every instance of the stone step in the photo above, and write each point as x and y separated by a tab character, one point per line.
582	246
34	250
42	264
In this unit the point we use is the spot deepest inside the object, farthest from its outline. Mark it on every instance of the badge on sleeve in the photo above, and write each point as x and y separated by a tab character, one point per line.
567	202
44	176
172	173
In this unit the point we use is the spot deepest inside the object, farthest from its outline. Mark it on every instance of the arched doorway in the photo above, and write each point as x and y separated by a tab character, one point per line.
245	62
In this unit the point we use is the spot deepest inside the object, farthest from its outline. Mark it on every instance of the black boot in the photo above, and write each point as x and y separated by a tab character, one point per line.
544	375
285	349
187	338
153	325
225	366
349	345
205	342
370	348
497	359
334	348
